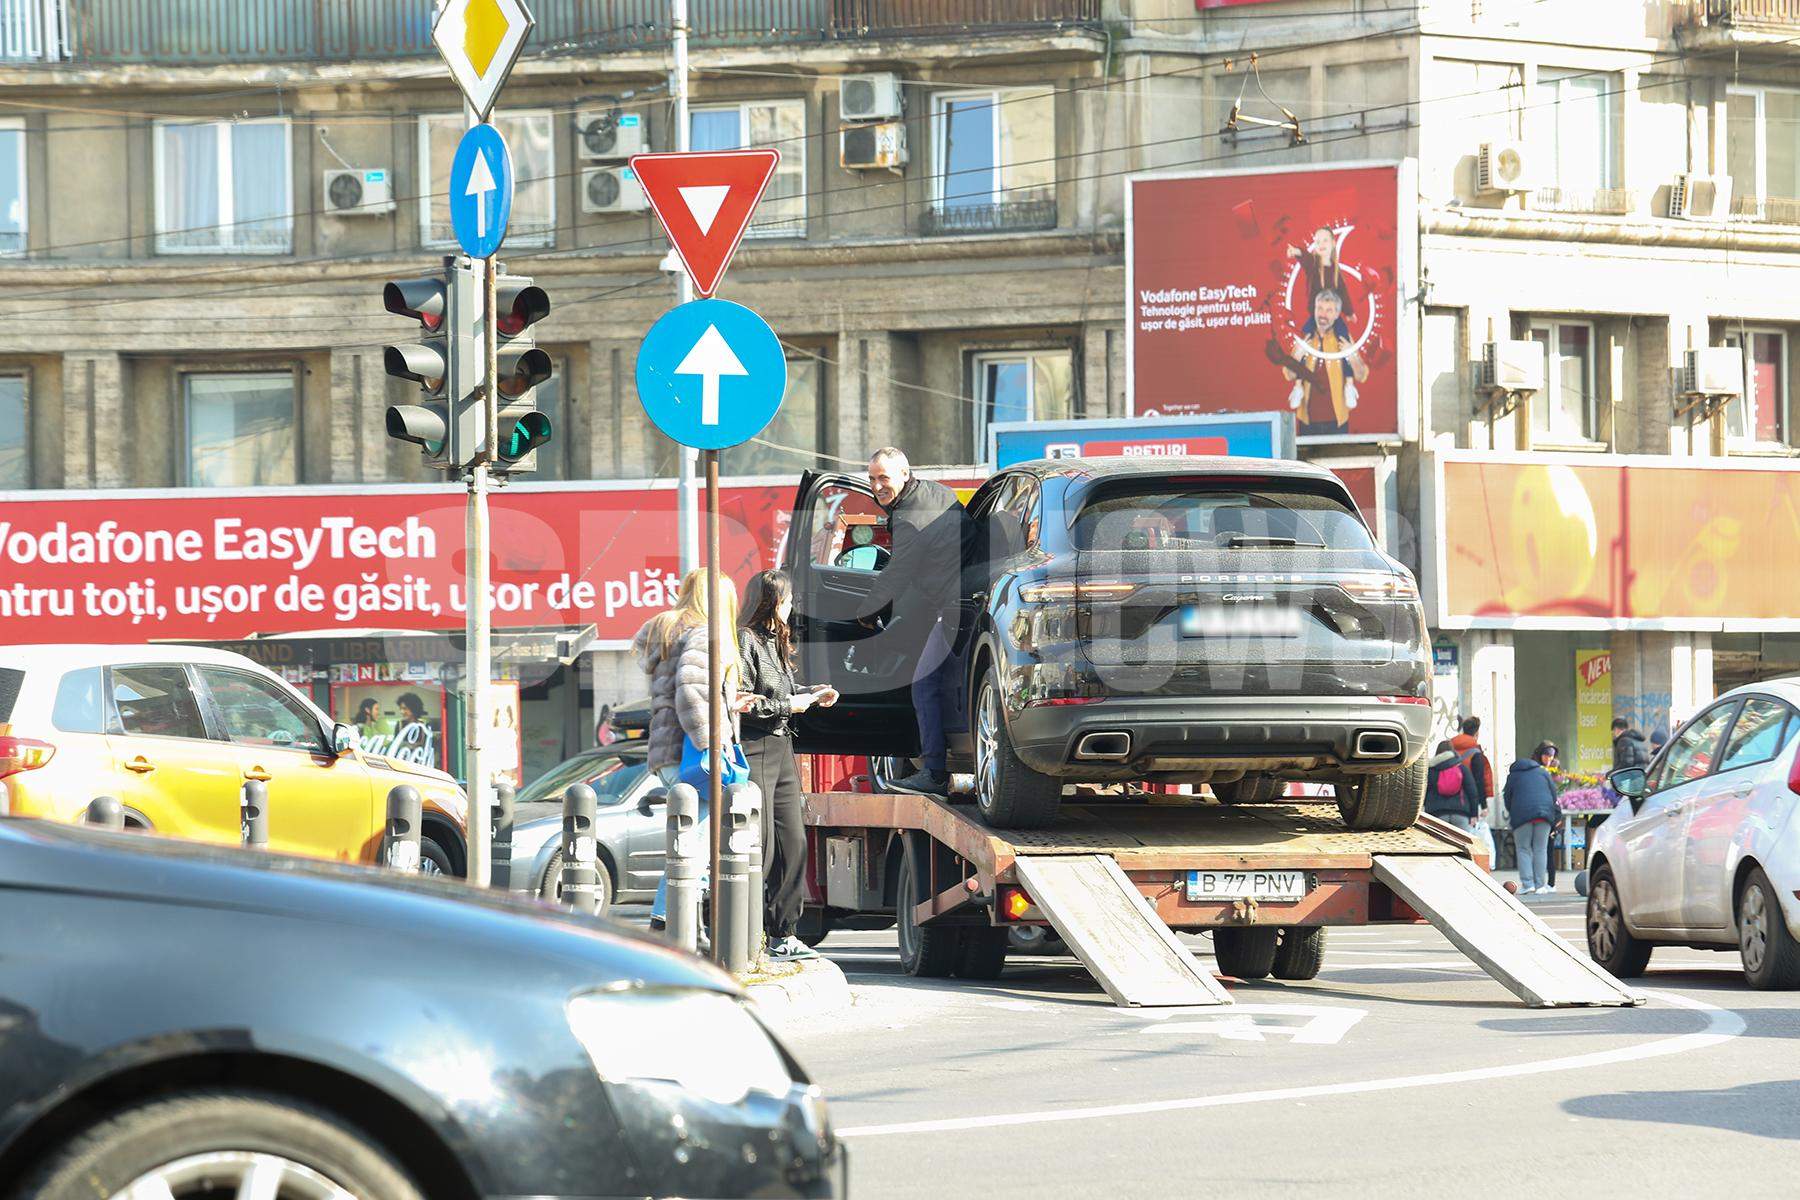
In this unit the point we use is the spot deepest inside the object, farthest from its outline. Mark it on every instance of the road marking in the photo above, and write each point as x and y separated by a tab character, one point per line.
1319	1026
1721	1026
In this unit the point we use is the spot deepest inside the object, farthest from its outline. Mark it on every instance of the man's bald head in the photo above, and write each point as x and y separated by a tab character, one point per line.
888	474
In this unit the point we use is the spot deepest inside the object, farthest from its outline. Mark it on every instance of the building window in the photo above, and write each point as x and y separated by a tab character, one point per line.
775	125
223	188
994	165
15	433
794	438
1577	119
530	138
1024	385
1760	416
12	187
1762	153
1564	411
242	430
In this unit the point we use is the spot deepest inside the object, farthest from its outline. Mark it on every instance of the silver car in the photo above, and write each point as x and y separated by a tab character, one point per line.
629	826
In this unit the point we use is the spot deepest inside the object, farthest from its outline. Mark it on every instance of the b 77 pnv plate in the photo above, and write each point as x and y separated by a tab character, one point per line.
1239	620
1246	885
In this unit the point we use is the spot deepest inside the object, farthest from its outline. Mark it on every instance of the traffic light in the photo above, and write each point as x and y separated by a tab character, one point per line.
518	305
445	363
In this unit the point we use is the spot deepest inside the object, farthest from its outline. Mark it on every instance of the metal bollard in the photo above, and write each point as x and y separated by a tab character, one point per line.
579	805
106	813
253	808
685	863
500	860
400	845
730	948
755	907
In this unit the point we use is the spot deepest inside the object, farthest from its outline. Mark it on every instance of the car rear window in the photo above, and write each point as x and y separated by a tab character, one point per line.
1163	514
11	680
78	705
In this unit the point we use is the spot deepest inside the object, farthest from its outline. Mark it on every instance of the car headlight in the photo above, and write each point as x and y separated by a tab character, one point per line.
703	1042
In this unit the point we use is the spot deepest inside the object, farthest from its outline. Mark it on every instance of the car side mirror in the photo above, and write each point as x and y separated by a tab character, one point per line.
1629	782
654	798
343	739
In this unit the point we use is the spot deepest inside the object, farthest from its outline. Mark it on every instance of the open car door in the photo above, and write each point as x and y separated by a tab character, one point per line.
836	546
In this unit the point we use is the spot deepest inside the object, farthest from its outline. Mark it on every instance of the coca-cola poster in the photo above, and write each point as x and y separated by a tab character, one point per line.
402	721
1272	290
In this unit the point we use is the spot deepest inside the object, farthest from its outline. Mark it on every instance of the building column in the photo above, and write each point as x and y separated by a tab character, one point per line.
1488	694
1661	679
94	438
1491	323
359	446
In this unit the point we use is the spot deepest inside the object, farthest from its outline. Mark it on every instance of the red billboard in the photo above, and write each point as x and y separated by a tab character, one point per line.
1269	291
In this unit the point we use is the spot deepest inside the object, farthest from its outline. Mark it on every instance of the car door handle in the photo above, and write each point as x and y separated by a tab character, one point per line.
258	774
1673	811
140	764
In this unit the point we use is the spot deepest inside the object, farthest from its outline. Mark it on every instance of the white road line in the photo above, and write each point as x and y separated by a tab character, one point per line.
1721	1026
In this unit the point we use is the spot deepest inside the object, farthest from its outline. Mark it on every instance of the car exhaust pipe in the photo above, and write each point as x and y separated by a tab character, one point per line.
1377	743
1110	747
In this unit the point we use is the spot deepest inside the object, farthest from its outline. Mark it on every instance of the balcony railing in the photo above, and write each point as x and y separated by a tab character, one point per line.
1781	15
182	32
1614	201
1008	216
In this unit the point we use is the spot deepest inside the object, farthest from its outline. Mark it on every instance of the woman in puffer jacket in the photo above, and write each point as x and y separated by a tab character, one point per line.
1530	795
672	648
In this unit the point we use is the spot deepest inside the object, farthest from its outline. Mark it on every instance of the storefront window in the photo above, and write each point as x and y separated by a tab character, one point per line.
241	430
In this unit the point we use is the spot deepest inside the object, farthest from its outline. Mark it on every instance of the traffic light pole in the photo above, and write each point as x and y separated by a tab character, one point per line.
478	668
687	522
715	717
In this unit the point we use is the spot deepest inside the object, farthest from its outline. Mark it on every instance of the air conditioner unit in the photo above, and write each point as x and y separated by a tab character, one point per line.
611	134
1713	371
869	98
1505	167
1700	197
1513	366
611	190
358	193
871	147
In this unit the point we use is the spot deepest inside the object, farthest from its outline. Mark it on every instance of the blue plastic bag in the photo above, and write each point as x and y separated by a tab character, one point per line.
732	767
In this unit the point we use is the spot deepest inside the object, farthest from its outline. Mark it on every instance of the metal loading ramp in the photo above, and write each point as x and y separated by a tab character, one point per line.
1114	932
1501	935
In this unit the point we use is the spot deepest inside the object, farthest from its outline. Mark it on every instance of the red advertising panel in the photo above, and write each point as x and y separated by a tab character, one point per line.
1266	291
1620	545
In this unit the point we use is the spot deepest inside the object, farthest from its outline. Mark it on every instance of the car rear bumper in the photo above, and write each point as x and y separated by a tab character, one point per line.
1196	736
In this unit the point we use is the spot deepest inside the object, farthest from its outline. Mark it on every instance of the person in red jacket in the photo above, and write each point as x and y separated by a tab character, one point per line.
1470	737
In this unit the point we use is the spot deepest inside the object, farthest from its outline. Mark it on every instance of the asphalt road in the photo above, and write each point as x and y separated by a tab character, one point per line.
1401	1071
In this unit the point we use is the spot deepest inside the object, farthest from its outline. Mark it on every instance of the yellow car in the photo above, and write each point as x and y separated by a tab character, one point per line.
173	732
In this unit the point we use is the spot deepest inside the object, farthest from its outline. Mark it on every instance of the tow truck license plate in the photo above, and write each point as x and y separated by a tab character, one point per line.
1246	885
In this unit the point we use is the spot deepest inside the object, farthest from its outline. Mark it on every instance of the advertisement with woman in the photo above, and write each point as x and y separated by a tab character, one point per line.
1274	290
402	721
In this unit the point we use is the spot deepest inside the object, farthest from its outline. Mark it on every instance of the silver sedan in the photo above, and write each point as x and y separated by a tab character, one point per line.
629	826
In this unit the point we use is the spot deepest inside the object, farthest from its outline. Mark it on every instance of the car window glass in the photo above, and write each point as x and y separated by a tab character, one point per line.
1756	736
846	519
611	777
1008	523
77	708
550	785
1162	514
257	713
156	702
1693	752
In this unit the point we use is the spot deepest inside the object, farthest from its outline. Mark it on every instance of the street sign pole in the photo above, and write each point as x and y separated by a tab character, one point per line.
715	720
687	494
479	664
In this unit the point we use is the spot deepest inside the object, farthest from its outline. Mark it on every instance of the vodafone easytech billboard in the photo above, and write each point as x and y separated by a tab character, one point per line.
1273	290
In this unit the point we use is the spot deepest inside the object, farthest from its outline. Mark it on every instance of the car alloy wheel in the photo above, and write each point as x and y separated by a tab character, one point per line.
1753	927
987	743
1604	919
238	1172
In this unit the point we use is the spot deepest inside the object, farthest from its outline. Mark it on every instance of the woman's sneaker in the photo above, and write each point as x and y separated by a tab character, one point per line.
791	949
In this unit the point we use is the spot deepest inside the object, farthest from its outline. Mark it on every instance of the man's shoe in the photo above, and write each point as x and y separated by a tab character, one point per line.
924	783
791	949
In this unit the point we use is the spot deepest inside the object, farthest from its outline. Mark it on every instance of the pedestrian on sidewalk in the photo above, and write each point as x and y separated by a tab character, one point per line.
1629	747
672	648
1468	738
765	645
1450	783
1530	796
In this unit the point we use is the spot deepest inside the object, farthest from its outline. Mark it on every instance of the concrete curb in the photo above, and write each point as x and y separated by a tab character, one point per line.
798	989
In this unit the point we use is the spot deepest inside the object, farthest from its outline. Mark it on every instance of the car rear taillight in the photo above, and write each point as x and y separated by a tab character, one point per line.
1794	776
1378	585
23	754
1092	589
1404	699
1061	701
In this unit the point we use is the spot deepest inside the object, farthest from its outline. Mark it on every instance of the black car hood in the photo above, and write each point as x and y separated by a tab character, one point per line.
75	860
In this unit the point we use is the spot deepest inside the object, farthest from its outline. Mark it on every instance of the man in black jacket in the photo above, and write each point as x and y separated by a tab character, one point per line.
931	539
1629	748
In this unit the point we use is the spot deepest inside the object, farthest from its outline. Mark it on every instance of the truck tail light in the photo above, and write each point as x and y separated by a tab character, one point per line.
1016	905
23	754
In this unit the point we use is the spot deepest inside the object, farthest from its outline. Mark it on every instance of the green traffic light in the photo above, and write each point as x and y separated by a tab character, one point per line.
525	435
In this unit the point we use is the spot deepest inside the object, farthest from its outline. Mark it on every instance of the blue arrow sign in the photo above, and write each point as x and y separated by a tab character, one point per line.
711	374
481	191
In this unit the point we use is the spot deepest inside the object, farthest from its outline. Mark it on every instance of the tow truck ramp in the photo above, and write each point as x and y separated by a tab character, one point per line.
1114	932
1502	936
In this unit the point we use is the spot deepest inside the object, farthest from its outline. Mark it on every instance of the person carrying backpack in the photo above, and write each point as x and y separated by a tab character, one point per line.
1453	785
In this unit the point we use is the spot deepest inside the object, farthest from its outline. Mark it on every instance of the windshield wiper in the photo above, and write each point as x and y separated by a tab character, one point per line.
1239	541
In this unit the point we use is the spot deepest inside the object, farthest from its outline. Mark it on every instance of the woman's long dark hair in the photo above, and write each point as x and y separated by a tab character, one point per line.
763	596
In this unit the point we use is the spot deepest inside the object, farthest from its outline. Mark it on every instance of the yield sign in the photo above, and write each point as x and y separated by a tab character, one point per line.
704	199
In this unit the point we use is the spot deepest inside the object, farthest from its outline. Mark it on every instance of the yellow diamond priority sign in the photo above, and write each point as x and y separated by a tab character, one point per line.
481	40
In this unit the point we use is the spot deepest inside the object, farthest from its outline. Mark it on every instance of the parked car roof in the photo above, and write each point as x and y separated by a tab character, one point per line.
70	655
1210	464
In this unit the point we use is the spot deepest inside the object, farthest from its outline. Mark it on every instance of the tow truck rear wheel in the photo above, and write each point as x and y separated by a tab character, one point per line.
1251	789
1390	800
926	951
1299	952
1009	794
1245	952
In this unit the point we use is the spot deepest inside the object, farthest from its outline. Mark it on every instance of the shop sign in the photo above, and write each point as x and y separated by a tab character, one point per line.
1593	711
1564	542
